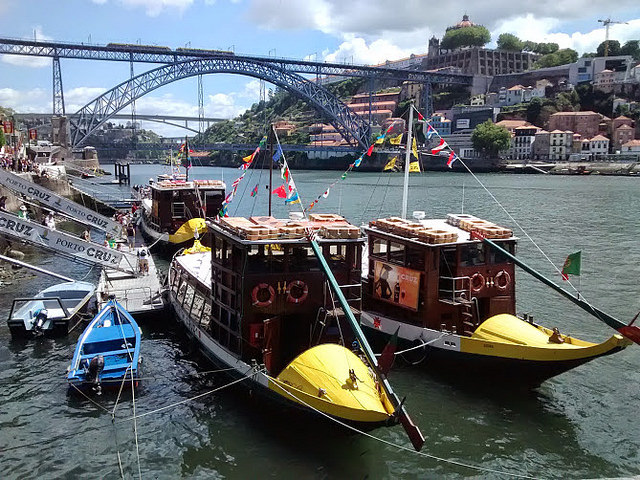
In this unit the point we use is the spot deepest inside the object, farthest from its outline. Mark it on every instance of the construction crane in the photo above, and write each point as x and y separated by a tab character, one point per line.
606	22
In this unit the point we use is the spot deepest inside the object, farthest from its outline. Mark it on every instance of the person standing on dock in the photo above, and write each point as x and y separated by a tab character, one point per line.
86	235
22	213
131	235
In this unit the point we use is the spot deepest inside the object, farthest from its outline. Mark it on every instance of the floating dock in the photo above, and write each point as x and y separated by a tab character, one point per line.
138	294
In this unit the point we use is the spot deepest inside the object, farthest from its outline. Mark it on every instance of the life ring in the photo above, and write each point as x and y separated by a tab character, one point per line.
477	282
294	287
257	296
502	280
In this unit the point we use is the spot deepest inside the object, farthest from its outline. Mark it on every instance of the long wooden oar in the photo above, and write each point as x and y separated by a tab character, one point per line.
631	331
414	433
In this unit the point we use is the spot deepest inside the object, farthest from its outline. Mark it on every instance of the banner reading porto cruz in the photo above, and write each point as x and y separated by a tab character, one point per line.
63	242
58	203
398	285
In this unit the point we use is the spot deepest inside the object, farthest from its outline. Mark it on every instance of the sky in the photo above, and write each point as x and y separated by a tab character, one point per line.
350	31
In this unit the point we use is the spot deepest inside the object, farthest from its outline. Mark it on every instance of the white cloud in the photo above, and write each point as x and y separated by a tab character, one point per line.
26	61
76	98
356	50
152	8
36	100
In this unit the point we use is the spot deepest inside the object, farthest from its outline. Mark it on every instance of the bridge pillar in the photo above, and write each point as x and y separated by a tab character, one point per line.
427	99
58	95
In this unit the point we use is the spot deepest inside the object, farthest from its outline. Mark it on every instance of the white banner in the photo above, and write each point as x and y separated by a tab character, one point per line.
59	203
65	243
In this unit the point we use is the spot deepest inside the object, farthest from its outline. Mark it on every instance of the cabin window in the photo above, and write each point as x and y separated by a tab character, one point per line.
218	245
198	302
181	290
396	252
379	247
206	314
498	257
415	258
301	258
472	254
188	298
177	210
447	261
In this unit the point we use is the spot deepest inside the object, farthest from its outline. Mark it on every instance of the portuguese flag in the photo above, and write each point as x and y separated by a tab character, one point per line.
572	265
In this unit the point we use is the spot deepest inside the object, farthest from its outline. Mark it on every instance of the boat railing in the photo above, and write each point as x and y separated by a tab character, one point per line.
135	296
353	295
25	300
455	290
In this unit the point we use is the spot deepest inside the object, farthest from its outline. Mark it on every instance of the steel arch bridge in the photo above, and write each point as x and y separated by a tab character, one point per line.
94	114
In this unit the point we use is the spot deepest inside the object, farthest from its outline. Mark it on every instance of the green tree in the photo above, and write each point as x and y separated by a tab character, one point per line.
546	48
508	41
561	57
534	107
490	138
3	141
614	48
529	46
475	36
632	47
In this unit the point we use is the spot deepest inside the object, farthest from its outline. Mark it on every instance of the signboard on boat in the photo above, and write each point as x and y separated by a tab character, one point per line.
59	203
395	284
63	242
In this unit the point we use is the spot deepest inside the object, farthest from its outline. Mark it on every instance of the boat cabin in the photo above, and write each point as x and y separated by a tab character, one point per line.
430	273
267	299
173	202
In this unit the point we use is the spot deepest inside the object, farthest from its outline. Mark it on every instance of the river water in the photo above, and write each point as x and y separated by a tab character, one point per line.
582	424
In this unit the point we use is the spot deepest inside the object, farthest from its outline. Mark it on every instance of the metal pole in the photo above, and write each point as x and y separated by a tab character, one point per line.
37	269
407	157
270	160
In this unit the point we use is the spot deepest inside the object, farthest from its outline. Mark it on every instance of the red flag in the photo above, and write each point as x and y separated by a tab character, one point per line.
370	151
452	158
420	117
440	146
385	362
280	191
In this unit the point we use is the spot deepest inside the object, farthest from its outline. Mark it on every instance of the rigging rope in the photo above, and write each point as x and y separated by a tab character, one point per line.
391	444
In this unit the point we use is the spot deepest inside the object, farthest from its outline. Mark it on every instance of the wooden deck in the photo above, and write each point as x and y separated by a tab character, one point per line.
139	294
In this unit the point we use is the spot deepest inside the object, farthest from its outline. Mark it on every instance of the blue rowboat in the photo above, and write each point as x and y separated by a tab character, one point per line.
108	351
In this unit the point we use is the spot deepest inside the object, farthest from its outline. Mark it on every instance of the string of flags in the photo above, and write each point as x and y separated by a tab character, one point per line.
248	160
184	154
378	141
442	144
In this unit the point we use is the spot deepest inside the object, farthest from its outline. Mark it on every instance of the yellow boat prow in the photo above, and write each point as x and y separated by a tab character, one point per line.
508	336
187	230
320	377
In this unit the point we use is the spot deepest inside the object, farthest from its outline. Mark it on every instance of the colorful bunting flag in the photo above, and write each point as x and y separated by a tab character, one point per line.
370	150
280	191
395	140
325	194
379	140
358	161
420	117
254	192
440	146
284	172
344	175
278	155
390	165
293	199
414	167
430	131
452	158
414	149
572	265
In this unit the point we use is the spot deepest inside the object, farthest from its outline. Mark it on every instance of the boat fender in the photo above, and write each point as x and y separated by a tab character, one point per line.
477	282
300	289
256	293
502	280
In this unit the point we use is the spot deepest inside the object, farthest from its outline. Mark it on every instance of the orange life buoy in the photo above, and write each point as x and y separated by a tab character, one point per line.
297	291
502	280
477	282
258	295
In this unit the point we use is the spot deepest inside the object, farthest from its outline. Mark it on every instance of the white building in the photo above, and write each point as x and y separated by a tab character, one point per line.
586	68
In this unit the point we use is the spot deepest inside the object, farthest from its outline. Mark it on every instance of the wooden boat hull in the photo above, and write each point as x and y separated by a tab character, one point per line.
281	389
481	359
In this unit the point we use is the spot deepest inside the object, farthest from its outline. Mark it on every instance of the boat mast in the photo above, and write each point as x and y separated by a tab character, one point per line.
186	152
407	157
270	160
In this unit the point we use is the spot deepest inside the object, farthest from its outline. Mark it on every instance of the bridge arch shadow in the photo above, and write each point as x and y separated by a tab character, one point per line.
90	117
